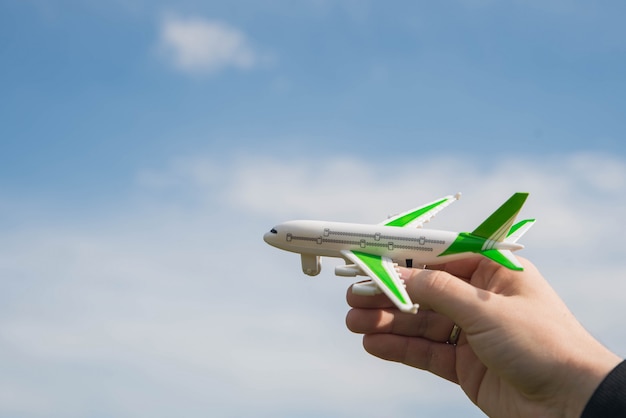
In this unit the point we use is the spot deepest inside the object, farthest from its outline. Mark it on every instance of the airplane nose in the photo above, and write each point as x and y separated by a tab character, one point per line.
269	237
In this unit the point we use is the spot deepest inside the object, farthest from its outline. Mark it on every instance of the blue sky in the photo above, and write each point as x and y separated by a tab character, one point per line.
89	93
146	146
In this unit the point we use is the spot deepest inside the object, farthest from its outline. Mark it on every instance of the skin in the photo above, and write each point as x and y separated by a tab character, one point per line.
521	352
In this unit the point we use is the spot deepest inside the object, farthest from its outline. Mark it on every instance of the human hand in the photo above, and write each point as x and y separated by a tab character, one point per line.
521	352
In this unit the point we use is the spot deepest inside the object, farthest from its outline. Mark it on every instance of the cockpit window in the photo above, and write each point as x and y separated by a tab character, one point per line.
273	231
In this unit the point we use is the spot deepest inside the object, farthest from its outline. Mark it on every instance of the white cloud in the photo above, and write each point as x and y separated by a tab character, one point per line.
199	46
578	200
175	303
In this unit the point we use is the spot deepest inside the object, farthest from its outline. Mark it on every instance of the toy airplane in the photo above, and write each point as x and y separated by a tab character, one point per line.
376	250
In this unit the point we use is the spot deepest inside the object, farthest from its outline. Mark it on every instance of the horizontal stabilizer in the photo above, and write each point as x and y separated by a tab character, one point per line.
519	229
505	258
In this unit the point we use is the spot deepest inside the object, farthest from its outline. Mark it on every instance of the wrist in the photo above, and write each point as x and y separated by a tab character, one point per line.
608	399
586	376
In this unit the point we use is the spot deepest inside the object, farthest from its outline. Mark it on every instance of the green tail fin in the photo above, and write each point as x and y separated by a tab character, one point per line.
496	238
496	227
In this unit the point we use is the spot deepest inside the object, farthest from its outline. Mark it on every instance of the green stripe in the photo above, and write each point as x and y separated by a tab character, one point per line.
465	243
375	263
411	216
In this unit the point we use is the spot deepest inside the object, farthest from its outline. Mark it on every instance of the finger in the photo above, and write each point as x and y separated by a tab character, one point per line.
438	358
460	268
426	324
446	294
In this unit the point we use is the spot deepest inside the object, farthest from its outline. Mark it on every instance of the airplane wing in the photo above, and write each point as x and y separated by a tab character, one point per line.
382	271
419	216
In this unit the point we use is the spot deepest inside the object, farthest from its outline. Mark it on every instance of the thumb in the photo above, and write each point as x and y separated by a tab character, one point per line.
446	294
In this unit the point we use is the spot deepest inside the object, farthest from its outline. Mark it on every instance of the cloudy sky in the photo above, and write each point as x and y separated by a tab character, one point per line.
146	146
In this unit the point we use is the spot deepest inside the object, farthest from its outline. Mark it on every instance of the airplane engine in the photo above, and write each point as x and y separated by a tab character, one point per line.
311	264
350	270
366	288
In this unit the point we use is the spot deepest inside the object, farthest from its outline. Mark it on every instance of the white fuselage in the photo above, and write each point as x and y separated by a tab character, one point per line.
406	246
